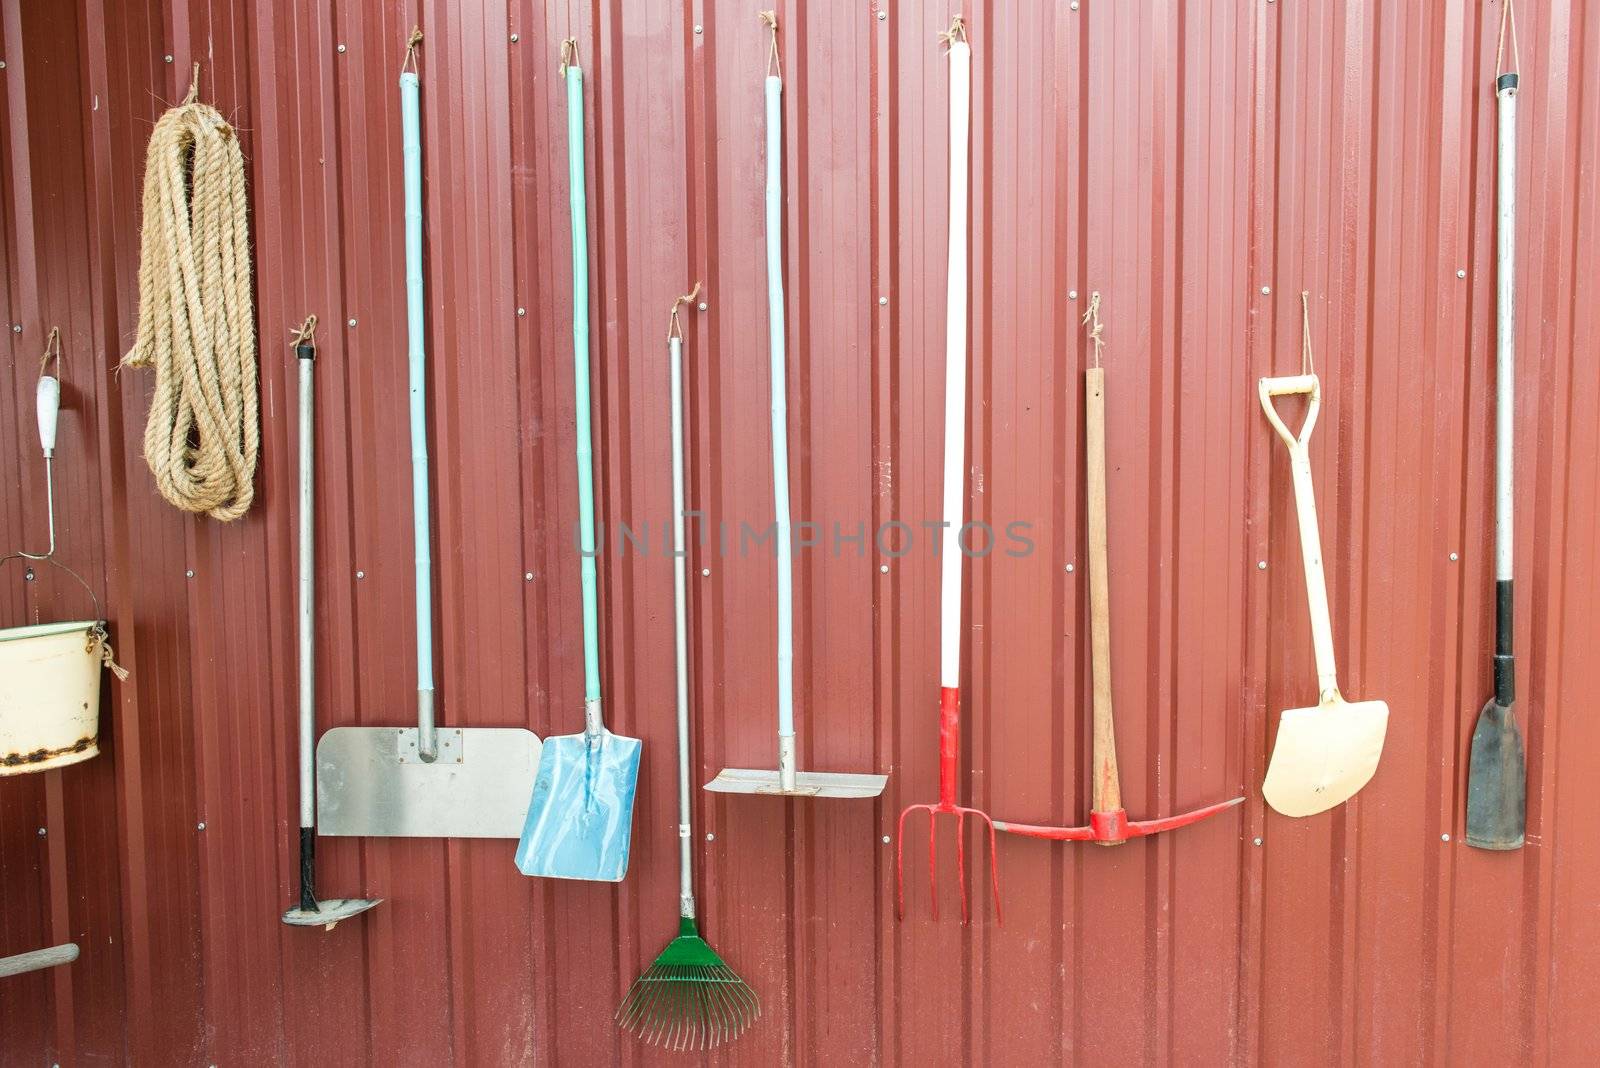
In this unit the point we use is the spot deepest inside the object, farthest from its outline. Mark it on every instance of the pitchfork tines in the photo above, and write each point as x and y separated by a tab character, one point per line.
949	734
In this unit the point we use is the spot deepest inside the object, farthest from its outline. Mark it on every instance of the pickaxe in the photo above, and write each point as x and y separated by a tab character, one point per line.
1108	820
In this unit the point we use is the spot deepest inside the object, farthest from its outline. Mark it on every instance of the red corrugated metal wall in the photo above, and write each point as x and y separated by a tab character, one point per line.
1198	164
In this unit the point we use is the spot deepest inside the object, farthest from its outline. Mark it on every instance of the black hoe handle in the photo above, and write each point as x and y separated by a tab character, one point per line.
1505	688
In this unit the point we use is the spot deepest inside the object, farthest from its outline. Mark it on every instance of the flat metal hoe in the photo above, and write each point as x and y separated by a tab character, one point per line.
1108	820
951	556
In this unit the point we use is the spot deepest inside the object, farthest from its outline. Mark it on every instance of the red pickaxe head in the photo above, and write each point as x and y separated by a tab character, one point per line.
949	739
1113	827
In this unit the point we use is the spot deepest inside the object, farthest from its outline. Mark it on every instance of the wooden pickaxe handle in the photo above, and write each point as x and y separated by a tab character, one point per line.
1107	791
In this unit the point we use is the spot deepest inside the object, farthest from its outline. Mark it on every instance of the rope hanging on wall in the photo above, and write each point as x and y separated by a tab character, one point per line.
196	314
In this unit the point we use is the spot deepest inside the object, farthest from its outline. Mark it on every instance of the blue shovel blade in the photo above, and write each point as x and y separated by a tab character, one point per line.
580	821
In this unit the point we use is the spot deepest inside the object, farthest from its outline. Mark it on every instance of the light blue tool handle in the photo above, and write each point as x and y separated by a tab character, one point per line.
411	147
580	380
780	407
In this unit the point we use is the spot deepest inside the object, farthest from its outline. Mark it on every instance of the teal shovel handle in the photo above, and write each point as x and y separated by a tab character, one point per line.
580	381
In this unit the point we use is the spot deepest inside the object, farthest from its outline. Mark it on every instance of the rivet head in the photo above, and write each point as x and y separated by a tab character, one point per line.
705	572
1072	294
516	37
41	832
1461	273
702	305
1445	837
710	837
27	576
697	29
2	64
341	49
1069	567
1266	291
166	59
200	826
885	839
527	576
1454	556
522	312
189	573
883	568
361	574
1073	5
881	16
883	301
1261	565
351	323
16	328
1257	841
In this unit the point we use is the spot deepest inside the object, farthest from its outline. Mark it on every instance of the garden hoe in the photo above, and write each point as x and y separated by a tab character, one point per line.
1108	821
1326	752
423	782
951	556
688	998
786	780
1497	777
310	912
580	819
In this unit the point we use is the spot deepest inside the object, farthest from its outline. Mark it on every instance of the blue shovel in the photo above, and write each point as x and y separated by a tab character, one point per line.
580	820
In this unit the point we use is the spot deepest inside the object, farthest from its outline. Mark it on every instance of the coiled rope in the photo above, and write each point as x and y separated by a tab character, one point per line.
196	314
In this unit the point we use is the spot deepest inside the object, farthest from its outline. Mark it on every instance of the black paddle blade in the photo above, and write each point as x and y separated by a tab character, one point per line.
1497	781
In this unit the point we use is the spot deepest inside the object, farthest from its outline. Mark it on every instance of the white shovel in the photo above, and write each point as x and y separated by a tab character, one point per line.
1327	752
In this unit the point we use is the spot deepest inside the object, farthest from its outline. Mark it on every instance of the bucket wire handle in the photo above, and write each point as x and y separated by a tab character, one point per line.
48	404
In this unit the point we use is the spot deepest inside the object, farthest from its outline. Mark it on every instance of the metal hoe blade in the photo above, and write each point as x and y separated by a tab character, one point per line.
327	913
371	781
806	783
1497	781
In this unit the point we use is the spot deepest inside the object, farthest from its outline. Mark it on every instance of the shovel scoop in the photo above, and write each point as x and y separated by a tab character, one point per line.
580	820
1325	753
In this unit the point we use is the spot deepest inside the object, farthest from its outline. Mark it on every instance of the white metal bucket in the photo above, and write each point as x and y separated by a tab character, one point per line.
49	695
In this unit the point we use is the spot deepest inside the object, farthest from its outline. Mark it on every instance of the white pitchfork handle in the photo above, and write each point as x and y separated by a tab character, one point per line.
955	363
1306	508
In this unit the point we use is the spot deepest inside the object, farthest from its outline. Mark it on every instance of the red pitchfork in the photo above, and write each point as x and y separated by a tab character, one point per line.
951	555
1108	820
949	742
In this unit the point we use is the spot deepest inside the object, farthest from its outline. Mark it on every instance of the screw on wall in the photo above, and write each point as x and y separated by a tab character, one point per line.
341	50
1266	291
1261	565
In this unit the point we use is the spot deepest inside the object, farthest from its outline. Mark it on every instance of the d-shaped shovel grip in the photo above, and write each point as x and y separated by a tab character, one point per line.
1306	508
1291	386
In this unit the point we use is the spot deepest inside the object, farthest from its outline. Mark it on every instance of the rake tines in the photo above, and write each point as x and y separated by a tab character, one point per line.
688	999
960	812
